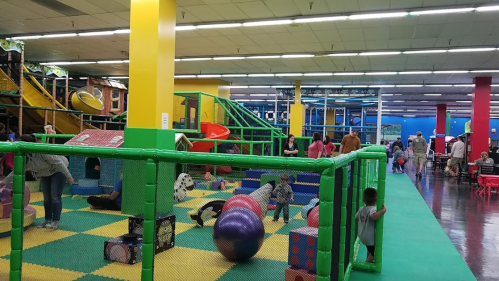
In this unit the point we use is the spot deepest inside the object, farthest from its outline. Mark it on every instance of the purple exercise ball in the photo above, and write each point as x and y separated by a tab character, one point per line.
238	234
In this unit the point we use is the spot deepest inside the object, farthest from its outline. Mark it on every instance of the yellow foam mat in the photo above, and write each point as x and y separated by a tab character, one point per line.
193	202
38	197
181	227
200	192
275	248
100	211
33	272
111	230
34	237
272	226
40	211
177	264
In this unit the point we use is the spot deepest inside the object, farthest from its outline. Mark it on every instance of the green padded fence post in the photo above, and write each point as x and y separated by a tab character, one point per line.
355	174
17	219
343	228
378	255
324	243
149	221
215	166
271	153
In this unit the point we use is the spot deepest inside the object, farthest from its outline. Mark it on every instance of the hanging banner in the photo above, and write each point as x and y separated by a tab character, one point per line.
11	46
33	67
467	127
57	71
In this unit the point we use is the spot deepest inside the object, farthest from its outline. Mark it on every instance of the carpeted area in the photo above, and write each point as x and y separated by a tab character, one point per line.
415	245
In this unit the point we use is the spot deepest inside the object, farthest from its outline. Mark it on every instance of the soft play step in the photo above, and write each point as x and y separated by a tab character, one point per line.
303	198
309	178
305	188
255	173
251	183
83	190
88	182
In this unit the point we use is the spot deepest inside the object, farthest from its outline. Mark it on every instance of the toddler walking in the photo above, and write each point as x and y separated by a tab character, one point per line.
284	194
367	217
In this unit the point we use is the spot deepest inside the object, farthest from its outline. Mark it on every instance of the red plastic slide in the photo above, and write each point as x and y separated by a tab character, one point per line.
212	131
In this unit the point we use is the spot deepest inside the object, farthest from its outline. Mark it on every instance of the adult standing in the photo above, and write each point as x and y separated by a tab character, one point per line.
457	152
419	146
350	142
53	173
316	149
329	145
398	143
290	148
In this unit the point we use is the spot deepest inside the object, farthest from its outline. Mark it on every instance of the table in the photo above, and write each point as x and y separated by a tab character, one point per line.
486	183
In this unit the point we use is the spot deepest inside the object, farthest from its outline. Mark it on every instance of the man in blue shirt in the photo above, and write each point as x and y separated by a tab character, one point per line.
109	201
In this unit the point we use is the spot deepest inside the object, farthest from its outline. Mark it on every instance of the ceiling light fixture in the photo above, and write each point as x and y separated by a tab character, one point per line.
283	86
408	115
464	101
269	22
382	86
441	11
97	33
288	74
238	87
484	71
463	85
441	85
343	54
234	75
118	77
261	75
355	86
432	94
27	37
349	73
450	71
221	25
487	8
209	76
319	74
414	72
196	59
184	27
424	52
408	86
298	56
228	58
320	19
110	61
378	16
263	57
330	86
379	53
471	50
259	86
184	76
60	35
381	73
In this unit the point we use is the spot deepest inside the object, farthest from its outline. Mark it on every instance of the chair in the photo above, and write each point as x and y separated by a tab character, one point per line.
483	185
464	174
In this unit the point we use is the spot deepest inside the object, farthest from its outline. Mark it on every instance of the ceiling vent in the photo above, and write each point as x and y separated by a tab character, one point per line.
59	7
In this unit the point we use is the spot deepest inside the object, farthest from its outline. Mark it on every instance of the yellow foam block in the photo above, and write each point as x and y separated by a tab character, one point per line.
181	227
34	237
177	264
33	272
271	226
111	230
40	211
275	248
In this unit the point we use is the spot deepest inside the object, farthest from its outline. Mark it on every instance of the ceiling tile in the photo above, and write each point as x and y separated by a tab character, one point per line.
83	6
263	39
229	11
204	13
283	8
305	37
312	47
331	35
399	44
428	31
377	45
376	33
109	6
402	32
255	9
241	40
352	34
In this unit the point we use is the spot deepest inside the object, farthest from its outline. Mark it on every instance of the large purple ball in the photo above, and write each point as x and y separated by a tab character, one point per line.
238	234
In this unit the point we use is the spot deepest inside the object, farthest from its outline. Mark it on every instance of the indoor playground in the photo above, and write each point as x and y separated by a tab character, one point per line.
255	166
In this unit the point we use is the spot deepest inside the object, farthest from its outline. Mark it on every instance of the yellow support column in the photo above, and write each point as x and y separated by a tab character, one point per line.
297	113
331	120
152	66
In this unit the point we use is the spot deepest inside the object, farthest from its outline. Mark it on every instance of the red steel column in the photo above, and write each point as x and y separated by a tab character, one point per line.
480	117
440	128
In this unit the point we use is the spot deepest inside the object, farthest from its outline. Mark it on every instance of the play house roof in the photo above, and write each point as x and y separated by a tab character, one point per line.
99	138
180	136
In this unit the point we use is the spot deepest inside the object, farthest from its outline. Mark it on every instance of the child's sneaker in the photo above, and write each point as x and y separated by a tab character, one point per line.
44	224
286	221
274	220
53	225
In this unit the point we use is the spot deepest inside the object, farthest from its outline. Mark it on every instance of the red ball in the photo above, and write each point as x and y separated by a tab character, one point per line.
243	201
313	217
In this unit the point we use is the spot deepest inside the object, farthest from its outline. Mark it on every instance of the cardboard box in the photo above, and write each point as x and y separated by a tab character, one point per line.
129	252
164	233
303	248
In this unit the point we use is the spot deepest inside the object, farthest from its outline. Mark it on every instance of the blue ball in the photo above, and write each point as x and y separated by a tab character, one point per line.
238	234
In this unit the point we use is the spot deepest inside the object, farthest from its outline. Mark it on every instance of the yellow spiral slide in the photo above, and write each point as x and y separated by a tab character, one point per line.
35	95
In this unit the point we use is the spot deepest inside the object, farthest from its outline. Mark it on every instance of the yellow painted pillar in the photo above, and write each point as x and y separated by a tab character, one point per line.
331	120
297	116
152	66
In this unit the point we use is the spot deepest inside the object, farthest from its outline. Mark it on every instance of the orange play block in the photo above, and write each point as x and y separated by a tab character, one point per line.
293	273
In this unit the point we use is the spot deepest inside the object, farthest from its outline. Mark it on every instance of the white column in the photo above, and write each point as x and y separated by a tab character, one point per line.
275	109
362	116
378	124
325	115
287	115
344	116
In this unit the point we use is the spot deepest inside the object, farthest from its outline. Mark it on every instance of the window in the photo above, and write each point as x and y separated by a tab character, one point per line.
115	100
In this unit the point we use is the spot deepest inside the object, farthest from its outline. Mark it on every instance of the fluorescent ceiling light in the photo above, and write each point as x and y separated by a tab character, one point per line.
494	101
185	27
349	73
408	86
262	95
184	76
261	75
381	73
441	11
60	35
382	86
484	71
432	94
450	71
68	62
415	72
355	86
369	101
386	95
298	56
283	86
423	101
110	61
409	115
487	8
411	110
126	61
234	75
340	100
263	57
441	85
330	86
209	75
378	16
396	110
228	58
398	101
259	86
118	77
309	100
221	25
319	74
342	54
466	101
472	50
289	74
196	59
122	31
83	78
308	86
269	22
379	53
97	33
494	85
424	52
27	37
320	19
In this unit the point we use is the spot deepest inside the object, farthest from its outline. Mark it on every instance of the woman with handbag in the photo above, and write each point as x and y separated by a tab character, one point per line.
398	160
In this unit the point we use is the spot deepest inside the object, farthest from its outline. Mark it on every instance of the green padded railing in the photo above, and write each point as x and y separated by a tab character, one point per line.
327	191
